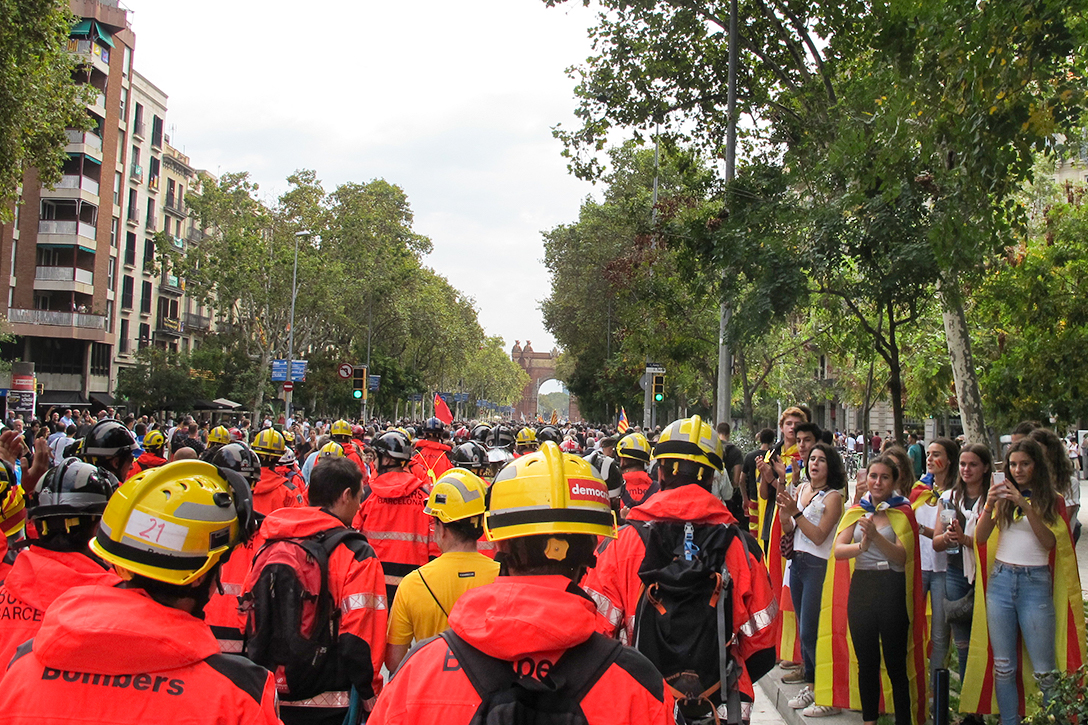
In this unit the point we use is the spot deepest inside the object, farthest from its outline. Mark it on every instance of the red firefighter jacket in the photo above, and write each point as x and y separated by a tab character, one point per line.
37	578
146	460
530	622
105	654
615	586
353	454
357	588
433	455
636	487
221	612
393	521
5	567
274	491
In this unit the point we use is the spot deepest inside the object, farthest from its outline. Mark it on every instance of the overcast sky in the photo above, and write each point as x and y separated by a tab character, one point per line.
452	101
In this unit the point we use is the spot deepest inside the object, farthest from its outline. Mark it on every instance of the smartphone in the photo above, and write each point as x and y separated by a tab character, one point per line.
999	477
863	473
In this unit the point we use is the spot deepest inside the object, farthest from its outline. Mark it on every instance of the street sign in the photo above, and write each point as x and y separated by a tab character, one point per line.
279	370
288	386
416	397
374	382
298	370
655	368
644	381
344	371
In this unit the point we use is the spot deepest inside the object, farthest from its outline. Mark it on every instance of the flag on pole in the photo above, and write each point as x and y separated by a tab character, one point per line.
441	410
623	425
555	417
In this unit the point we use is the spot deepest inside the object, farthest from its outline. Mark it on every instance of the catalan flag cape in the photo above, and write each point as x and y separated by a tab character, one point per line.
921	494
623	424
787	641
978	693
836	664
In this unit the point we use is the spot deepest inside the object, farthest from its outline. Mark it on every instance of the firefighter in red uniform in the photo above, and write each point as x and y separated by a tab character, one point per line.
355	582
689	458
545	512
139	652
392	517
154	442
341	432
633	450
221	613
431	451
274	491
65	509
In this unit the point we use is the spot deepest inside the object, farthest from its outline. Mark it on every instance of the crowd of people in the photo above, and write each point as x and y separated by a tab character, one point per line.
430	571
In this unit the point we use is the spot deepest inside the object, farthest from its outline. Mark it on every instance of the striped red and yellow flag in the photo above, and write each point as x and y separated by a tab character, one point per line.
622	425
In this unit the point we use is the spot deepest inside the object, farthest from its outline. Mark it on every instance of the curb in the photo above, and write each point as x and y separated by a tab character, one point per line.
779	694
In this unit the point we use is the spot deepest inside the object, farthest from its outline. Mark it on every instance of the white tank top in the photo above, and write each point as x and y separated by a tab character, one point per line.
814	512
1019	546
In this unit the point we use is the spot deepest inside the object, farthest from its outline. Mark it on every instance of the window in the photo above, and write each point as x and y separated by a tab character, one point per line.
130	249
153	171
109	315
171	189
138	116
133	212
122	338
14	245
127	67
145	335
124	98
113	231
111	274
117	184
151	214
136	150
145	299
126	292
156	131
149	254
100	358
49	257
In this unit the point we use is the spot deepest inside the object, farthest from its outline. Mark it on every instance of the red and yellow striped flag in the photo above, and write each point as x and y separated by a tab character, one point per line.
623	425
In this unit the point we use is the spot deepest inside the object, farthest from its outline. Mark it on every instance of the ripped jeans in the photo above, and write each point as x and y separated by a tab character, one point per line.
1019	601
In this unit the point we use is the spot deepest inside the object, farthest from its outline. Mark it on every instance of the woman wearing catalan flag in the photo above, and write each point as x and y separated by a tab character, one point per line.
875	573
1029	593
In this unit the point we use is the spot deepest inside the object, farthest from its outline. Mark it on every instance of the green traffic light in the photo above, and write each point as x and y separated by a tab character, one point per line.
357	394
658	397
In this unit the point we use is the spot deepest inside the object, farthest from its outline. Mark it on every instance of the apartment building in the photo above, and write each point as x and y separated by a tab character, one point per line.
87	287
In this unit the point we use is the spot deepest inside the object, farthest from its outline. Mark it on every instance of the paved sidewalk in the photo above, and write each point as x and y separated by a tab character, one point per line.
779	694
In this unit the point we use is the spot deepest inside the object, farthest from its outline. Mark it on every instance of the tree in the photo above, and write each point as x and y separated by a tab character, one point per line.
160	380
38	98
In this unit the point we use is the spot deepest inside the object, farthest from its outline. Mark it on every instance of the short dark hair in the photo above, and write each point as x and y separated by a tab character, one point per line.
767	436
1025	427
812	428
329	479
527	556
465	530
724	428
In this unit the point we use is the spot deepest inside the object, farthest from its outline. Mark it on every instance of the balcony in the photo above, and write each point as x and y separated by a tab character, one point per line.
170	326
136	173
139	129
133	216
90	52
57	318
73	186
98	104
64	279
200	323
195	235
174	206
87	143
153	183
70	233
171	285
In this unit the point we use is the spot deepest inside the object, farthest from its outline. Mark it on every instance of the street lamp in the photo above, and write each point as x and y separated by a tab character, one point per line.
291	334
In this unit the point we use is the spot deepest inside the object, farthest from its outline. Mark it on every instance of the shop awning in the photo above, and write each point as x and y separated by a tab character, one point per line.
227	403
201	404
105	400
89	28
66	398
83	27
102	35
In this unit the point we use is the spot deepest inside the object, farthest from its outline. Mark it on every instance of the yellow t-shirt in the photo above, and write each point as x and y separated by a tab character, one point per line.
415	614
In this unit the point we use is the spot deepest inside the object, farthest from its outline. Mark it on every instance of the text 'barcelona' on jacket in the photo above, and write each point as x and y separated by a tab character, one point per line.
358	589
529	622
107	654
394	523
616	587
274	491
38	577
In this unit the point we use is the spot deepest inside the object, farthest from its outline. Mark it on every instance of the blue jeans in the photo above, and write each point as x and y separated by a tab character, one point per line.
806	590
1019	602
933	583
956	587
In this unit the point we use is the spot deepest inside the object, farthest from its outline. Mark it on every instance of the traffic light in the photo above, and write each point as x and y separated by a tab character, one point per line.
40	388
658	388
358	382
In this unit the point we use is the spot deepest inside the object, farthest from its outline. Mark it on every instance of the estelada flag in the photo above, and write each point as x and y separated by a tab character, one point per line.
623	425
836	665
441	410
555	417
1069	645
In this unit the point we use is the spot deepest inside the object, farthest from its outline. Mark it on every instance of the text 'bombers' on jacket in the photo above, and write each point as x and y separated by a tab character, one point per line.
529	622
393	521
105	654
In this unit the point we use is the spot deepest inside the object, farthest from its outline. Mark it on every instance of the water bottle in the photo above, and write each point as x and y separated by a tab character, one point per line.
948	515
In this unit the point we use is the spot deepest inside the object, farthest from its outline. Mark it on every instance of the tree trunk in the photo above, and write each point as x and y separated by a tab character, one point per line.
895	380
746	387
963	367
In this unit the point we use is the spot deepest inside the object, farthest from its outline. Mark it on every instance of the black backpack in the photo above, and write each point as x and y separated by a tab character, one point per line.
509	699
683	621
292	623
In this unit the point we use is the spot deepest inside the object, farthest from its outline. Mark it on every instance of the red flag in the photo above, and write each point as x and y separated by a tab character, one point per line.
441	410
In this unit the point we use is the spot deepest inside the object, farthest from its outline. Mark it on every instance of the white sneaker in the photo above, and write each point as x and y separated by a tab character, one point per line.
804	698
820	711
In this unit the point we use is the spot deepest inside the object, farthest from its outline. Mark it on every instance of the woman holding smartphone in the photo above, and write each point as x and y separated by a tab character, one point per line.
1027	597
875	562
813	517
